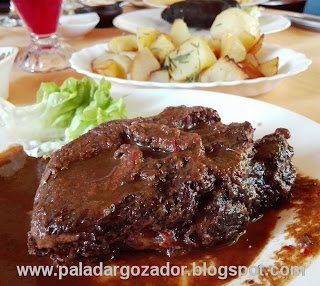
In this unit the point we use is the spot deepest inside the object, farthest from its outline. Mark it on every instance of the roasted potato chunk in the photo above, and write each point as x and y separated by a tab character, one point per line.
160	75
143	64
232	47
130	55
235	20
126	43
247	39
269	68
250	69
124	61
252	59
179	32
257	46
162	46
186	62
145	37
110	68
225	69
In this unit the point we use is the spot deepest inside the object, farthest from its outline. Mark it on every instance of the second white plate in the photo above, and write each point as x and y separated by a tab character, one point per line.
269	23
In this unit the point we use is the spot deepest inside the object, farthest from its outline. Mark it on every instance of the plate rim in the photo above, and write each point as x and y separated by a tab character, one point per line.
231	96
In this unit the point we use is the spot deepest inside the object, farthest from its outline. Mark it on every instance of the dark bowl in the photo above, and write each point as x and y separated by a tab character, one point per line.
106	13
4	7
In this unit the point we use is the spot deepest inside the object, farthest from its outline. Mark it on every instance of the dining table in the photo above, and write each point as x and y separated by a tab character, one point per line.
299	93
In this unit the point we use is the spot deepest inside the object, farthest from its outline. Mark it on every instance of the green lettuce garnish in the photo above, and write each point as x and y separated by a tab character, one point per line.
61	114
78	105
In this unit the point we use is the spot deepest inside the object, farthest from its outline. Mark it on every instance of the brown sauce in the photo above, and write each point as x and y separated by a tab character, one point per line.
16	199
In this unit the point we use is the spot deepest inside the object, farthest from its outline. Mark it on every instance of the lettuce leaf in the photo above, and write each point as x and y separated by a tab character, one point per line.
61	114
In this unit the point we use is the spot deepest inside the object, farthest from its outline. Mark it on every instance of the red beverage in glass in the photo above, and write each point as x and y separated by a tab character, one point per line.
41	16
45	53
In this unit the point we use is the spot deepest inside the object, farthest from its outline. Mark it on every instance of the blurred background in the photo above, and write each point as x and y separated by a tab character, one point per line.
4	6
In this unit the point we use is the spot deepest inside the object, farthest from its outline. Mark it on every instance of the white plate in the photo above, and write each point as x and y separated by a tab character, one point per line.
290	63
263	116
250	3
272	23
269	23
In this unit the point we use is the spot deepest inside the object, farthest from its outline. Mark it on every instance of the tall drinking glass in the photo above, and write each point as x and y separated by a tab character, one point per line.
45	53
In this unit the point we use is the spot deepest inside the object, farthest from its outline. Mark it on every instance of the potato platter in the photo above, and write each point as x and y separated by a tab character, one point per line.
230	54
233	59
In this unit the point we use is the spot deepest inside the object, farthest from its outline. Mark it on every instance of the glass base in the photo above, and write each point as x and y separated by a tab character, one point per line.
45	54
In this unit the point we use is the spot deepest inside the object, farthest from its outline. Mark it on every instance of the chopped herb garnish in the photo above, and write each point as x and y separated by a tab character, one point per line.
182	58
196	46
155	49
171	64
195	76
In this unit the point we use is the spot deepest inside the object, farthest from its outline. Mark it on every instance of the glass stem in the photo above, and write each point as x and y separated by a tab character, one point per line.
48	41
